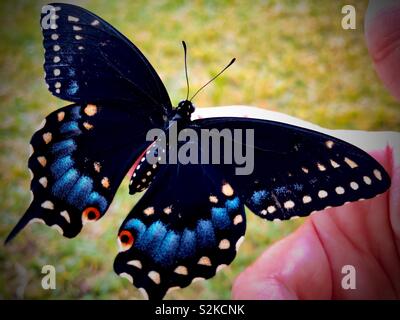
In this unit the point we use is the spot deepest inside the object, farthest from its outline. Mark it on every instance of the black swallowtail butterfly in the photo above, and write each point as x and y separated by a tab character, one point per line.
191	219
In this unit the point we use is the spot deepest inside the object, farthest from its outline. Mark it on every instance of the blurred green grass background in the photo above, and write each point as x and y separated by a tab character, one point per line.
293	57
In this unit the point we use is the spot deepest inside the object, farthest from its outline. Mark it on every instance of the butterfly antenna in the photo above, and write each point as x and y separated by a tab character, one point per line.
186	70
213	78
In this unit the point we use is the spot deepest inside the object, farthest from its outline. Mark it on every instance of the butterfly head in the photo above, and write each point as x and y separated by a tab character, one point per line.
185	108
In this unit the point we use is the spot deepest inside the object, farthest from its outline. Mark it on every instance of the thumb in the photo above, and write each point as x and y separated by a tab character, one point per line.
293	268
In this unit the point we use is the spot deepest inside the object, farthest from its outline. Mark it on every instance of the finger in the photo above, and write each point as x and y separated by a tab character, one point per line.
293	268
382	31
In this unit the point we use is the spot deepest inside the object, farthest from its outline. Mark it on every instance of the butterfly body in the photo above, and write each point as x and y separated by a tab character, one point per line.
191	220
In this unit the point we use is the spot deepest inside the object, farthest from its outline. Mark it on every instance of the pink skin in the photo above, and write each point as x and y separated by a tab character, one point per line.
366	234
383	40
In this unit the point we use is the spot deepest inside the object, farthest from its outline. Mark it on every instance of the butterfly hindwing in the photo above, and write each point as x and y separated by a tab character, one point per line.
86	59
298	171
187	226
79	158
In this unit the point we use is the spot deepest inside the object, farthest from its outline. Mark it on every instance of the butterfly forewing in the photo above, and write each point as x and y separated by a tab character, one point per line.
86	59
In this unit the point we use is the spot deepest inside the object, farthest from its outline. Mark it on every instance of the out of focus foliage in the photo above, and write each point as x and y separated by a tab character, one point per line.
292	56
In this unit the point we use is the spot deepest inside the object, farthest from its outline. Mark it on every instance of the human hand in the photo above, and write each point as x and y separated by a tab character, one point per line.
308	263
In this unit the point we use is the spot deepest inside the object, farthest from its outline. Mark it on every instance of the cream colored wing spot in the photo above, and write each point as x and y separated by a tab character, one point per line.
322	194
339	190
81	47
307	199
167	210
56	48
321	167
58	91
334	164
47	137
66	216
97	166
36	220
350	163
238	219
31	173
220	267
31	150
61	114
227	189
289	204
90	110
205	261
367	180
329	144
54	36
224	244
88	126
213	199
73	19
76	28
263	212
42	124
378	174
148	173
155	276
126	276
148	211
56	72
43	181
144	293
239	243
354	185
181	270
105	182
48	205
271	209
95	23
305	170
197	279
135	263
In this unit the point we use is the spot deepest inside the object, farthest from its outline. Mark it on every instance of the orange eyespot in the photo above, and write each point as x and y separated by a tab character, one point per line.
90	214
126	240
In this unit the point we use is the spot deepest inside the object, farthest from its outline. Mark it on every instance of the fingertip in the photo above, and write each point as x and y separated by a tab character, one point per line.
382	25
